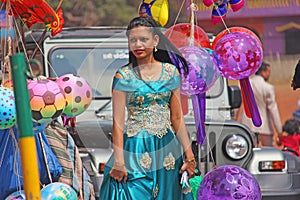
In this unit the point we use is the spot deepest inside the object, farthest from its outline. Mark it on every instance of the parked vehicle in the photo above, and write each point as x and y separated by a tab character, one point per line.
96	53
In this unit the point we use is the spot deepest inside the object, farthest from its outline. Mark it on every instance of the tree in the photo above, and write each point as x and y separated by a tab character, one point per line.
110	12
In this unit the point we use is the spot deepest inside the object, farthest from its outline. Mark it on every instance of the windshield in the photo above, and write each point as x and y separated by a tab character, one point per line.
96	65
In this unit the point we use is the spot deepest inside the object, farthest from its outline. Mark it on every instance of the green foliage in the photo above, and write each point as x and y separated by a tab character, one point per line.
109	12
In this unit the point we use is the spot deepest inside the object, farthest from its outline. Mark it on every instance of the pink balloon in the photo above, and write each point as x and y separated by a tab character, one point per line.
238	55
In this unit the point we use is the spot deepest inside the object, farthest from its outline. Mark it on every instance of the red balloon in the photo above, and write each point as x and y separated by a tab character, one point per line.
179	35
232	30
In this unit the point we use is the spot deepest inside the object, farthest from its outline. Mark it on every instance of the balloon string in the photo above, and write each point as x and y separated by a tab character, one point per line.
217	9
192	22
177	16
16	153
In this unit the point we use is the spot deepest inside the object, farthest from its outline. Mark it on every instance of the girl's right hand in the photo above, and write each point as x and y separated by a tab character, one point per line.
119	173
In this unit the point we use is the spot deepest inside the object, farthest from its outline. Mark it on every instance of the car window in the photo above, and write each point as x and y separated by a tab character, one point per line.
96	65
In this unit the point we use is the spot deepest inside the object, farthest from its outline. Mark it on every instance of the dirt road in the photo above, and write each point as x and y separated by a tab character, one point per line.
287	100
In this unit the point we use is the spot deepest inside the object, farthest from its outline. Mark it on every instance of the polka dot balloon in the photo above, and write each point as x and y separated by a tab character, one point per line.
78	94
7	108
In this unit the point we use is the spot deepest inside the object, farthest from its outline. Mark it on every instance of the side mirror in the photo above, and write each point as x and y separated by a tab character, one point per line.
235	97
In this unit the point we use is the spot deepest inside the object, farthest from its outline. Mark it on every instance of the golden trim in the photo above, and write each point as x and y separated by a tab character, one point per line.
287	27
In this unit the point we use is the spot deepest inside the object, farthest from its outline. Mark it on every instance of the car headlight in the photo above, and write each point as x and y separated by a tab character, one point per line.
236	146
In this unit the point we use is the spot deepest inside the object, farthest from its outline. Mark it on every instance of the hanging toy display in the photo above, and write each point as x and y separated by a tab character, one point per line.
179	35
239	55
156	9
203	73
47	100
7	108
220	8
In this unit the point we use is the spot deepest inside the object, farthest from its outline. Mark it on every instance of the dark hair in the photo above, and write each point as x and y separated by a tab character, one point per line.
166	51
291	126
263	67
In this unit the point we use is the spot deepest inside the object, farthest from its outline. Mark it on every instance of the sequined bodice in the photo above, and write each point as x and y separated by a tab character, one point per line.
148	101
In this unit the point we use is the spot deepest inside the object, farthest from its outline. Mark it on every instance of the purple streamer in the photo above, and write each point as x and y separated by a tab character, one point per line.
198	101
250	100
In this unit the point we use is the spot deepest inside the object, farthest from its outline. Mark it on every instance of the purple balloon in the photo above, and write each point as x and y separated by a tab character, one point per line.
229	182
203	70
238	55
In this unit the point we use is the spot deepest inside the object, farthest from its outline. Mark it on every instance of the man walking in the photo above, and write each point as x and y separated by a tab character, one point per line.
265	98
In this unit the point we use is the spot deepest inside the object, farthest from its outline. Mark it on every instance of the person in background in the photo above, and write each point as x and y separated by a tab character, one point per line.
264	95
147	159
290	138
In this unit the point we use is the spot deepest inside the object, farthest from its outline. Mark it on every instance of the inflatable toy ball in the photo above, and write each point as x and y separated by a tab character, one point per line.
58	191
78	94
231	30
179	35
47	100
203	70
202	75
229	182
7	108
238	55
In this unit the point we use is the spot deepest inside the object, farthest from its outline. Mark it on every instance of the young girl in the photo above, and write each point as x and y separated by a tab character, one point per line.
291	136
147	160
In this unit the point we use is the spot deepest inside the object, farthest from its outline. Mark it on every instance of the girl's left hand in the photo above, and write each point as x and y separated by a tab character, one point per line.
190	167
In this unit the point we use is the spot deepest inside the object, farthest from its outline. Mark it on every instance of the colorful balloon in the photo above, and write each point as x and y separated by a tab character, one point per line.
78	94
202	75
238	55
58	191
179	35
7	108
232	30
229	182
156	9
203	70
47	100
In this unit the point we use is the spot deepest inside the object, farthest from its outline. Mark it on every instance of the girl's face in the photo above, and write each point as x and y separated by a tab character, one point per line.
141	42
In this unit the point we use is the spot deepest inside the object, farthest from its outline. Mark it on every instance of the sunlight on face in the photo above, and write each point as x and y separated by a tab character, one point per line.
142	41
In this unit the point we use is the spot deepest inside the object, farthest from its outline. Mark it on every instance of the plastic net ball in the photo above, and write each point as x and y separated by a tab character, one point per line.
78	94
7	108
229	183
203	70
238	55
47	100
58	191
